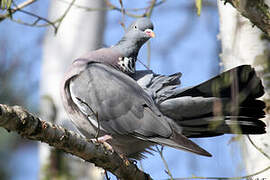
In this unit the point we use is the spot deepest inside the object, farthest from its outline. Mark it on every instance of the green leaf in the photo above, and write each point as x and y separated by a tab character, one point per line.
198	4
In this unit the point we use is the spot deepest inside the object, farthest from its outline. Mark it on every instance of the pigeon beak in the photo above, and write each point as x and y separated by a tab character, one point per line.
150	33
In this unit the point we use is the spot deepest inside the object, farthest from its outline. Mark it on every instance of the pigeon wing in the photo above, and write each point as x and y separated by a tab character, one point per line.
122	107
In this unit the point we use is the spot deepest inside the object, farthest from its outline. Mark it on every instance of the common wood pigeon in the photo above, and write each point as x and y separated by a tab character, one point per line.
106	97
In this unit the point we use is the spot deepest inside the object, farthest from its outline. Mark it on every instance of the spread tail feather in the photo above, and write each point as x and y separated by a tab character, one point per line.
224	102
214	126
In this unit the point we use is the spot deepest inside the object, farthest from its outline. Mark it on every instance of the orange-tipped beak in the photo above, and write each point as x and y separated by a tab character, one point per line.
150	33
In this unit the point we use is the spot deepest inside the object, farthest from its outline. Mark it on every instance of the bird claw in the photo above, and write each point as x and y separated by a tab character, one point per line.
103	140
108	146
125	159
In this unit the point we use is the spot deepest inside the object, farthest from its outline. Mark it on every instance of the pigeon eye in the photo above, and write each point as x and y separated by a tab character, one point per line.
135	27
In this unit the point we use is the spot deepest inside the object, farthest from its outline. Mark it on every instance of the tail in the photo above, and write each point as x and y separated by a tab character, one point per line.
222	105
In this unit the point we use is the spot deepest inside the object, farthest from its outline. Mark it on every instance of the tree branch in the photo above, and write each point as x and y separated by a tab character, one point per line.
256	11
15	118
19	7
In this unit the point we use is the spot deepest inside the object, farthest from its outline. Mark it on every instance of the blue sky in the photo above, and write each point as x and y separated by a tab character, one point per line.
184	43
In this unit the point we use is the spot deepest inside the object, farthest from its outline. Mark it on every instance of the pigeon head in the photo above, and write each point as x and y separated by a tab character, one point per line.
140	30
136	35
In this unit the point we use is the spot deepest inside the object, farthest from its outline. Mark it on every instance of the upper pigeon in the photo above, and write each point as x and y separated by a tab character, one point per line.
106	97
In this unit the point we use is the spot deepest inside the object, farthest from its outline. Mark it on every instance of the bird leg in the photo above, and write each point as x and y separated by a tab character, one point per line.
103	140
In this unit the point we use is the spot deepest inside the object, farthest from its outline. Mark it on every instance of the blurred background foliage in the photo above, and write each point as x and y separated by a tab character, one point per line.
20	53
18	87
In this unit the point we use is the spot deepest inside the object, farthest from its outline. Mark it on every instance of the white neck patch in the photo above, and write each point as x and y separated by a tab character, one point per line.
127	64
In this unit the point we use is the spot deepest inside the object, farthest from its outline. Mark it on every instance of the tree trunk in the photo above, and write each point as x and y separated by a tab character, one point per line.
244	44
79	32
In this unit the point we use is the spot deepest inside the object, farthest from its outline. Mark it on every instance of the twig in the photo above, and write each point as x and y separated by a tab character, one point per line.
60	20
141	165
85	7
146	67
148	54
113	7
110	7
38	18
149	12
160	151
222	178
240	177
107	176
55	24
150	9
259	149
19	7
15	118
123	14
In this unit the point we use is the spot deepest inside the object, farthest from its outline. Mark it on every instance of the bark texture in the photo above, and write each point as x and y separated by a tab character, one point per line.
15	118
257	11
244	44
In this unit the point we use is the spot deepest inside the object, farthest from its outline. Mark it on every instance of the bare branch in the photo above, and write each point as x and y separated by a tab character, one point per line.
38	19
112	7
15	118
19	7
227	178
148	14
151	8
258	148
160	151
126	11
59	20
240	177
146	11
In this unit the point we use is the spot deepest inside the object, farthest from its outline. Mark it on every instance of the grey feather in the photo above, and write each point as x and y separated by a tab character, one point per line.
124	110
188	107
193	108
160	87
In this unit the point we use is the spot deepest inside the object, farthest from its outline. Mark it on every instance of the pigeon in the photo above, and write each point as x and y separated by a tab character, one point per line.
107	99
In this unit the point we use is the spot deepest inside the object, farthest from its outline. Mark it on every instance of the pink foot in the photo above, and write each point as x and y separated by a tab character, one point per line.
103	140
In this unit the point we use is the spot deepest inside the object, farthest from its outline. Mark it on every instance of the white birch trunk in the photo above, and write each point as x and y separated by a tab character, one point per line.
242	44
79	33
